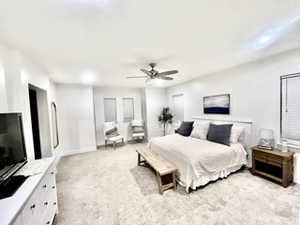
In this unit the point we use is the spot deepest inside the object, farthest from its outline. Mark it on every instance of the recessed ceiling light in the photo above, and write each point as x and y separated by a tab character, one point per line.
264	39
88	77
88	2
271	35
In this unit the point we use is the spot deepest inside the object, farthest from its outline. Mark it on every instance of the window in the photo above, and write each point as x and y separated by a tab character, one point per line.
290	108
110	109
128	109
178	107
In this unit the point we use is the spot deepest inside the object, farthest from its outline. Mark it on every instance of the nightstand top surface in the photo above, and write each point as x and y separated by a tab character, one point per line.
274	151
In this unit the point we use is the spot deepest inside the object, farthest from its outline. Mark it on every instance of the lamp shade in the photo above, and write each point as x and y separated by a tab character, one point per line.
266	138
266	133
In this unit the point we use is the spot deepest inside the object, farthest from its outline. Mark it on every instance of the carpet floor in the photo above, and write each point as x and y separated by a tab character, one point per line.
107	187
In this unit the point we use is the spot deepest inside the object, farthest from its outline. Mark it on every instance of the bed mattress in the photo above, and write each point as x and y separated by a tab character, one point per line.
199	161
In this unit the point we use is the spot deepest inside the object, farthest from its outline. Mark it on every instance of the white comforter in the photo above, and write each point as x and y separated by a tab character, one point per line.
199	161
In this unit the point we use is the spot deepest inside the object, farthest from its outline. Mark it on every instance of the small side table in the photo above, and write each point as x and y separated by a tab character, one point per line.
273	164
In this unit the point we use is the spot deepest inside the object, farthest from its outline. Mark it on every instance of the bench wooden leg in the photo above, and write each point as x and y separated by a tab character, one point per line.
160	188
139	159
174	180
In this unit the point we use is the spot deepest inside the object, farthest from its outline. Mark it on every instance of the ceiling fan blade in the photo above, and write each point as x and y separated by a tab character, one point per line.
170	72
146	72
137	77
165	78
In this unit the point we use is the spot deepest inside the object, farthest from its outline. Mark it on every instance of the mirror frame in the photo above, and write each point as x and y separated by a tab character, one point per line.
54	117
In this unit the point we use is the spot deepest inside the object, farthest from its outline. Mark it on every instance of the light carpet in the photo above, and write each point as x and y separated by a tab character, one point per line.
107	187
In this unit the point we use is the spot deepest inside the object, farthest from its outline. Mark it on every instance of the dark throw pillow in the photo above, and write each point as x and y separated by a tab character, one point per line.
219	133
112	132
185	128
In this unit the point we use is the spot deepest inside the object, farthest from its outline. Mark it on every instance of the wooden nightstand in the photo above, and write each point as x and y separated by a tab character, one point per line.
273	164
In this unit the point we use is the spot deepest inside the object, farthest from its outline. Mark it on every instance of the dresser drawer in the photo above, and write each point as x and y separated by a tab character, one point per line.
42	204
31	211
48	219
265	154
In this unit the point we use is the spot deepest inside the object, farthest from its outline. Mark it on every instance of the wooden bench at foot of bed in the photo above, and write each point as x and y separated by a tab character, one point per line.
162	168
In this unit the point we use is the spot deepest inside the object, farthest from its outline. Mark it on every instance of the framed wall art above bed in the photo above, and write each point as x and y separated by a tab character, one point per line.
216	104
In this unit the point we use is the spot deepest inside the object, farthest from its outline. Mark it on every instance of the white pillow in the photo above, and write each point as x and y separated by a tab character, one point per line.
200	130
236	132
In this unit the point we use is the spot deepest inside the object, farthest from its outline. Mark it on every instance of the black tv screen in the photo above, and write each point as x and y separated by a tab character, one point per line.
12	145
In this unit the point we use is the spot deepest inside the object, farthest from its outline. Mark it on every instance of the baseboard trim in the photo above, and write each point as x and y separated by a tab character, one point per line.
79	151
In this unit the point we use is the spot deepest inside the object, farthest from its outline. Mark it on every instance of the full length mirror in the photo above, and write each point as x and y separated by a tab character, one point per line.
54	125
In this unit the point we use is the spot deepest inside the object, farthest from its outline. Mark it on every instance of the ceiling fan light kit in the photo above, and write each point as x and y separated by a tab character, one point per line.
154	74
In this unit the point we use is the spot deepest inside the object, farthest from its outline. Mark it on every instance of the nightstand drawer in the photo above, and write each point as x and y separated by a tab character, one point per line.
268	157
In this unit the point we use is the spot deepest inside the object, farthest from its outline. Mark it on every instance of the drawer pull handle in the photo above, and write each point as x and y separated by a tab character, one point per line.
48	222
45	203
53	187
32	206
44	186
54	203
52	172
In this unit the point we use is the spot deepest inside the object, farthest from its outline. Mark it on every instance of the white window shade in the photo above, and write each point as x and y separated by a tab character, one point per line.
178	107
128	109
290	108
110	110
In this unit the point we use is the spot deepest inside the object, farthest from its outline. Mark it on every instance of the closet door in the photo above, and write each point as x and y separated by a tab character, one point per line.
178	107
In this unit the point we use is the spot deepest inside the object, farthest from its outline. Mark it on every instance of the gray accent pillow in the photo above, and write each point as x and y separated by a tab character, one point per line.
219	133
138	129
186	128
112	132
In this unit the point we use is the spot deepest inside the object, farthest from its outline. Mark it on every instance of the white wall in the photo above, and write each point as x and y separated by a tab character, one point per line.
76	125
119	93
155	100
18	71
254	90
3	98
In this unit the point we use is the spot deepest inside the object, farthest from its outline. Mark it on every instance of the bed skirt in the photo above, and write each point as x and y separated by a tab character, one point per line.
203	180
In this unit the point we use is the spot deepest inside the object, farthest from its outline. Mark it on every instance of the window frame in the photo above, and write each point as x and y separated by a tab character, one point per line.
116	109
126	98
282	78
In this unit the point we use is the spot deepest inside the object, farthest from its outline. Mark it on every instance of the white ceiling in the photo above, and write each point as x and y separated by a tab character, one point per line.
103	41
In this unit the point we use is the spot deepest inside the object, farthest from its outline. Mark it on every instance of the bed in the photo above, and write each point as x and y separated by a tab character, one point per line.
199	161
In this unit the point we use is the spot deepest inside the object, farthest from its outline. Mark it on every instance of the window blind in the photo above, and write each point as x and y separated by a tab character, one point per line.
128	109
110	110
290	108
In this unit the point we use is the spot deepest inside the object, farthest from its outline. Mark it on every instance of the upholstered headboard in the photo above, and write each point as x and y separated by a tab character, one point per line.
246	138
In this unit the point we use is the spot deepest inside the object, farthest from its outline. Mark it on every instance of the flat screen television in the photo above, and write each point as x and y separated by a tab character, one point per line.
12	145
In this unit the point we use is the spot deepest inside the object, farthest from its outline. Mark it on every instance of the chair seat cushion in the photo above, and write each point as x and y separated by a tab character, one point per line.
115	138
138	134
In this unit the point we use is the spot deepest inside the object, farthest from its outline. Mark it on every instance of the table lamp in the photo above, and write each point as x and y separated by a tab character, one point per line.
266	139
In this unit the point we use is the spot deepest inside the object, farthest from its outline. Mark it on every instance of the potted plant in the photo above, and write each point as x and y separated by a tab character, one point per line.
165	118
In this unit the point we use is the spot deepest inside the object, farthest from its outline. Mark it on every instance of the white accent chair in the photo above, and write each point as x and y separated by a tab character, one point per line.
138	131
111	135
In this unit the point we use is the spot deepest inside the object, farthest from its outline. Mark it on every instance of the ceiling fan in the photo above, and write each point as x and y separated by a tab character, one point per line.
154	74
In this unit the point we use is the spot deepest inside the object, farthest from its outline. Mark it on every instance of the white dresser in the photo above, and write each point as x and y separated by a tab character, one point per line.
35	202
